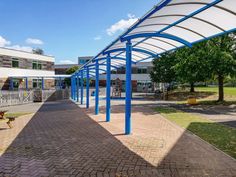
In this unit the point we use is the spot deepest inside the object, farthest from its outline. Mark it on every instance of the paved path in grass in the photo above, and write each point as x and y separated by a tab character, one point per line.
62	139
25	108
221	114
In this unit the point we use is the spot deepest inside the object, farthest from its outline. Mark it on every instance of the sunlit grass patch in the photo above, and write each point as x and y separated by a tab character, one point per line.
219	135
16	114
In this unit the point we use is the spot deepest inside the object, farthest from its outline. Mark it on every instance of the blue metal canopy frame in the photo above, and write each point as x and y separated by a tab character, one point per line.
157	33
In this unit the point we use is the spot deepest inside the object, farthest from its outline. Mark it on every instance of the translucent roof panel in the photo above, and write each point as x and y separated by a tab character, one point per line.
172	24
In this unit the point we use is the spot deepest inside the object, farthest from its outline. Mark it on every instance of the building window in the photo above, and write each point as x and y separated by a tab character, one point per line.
83	61
15	63
121	70
16	83
113	72
36	65
142	70
39	66
37	83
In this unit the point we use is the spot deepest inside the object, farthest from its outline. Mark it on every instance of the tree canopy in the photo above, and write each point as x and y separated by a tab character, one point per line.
192	65
38	51
221	59
163	71
207	60
72	69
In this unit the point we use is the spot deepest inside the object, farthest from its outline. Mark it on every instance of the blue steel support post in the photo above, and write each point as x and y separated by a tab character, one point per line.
97	89
11	84
77	87
74	84
128	91
108	89
60	83
71	88
26	83
42	83
87	88
82	87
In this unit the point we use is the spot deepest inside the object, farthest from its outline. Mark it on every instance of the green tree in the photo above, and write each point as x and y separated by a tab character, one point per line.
163	71
192	65
221	58
38	51
70	71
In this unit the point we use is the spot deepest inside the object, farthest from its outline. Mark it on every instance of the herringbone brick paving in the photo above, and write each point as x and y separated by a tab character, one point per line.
62	139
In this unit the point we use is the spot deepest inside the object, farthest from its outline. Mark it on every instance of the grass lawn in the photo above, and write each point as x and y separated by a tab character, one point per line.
230	91
205	96
16	114
221	136
214	102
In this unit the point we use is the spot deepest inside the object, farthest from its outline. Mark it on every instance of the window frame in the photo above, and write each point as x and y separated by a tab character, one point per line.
15	60
37	83
37	65
142	70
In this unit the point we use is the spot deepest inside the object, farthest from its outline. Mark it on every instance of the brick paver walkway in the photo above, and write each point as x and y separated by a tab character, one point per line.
64	140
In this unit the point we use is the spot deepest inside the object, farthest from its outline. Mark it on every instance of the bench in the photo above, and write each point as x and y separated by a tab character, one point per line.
8	119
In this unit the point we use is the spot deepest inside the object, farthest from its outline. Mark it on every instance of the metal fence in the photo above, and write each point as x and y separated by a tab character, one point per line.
9	98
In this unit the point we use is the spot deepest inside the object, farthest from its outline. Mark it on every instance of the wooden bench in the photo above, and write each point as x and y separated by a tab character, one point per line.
8	119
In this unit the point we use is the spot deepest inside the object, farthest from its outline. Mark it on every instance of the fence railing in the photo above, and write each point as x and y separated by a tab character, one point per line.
9	98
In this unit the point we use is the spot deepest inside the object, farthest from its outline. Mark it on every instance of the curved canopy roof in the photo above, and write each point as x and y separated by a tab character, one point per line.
170	25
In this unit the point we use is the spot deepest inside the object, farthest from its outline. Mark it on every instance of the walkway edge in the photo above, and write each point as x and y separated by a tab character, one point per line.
191	133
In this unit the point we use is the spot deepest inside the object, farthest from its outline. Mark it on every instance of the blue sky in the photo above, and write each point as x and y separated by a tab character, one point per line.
67	29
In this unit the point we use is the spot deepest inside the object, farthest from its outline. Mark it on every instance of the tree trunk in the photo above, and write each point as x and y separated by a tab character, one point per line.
221	88
192	87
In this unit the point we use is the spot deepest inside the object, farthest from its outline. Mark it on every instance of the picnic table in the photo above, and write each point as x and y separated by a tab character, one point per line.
7	119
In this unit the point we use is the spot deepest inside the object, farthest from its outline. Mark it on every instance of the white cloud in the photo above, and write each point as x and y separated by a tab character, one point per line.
7	44
66	62
4	42
34	41
122	25
97	38
21	48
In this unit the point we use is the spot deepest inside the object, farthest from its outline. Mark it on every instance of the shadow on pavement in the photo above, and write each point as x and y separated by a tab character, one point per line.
61	139
229	123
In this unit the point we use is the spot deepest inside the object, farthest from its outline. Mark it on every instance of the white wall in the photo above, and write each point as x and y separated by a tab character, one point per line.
10	72
26	55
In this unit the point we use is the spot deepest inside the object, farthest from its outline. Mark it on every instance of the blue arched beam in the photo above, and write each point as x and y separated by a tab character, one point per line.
180	20
133	49
161	35
90	75
104	58
114	58
95	69
85	71
103	65
118	65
